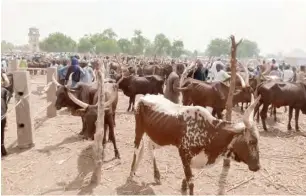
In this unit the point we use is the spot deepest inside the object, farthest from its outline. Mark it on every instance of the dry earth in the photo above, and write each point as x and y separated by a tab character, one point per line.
62	163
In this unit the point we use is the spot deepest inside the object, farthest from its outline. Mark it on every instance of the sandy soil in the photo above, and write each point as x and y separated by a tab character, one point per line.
62	163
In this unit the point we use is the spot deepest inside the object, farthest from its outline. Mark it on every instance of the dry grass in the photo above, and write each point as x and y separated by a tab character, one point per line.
62	163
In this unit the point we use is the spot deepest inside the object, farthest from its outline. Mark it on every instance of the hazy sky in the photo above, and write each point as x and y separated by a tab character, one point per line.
276	25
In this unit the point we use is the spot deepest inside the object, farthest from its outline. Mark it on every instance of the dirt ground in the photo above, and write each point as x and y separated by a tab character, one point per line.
62	163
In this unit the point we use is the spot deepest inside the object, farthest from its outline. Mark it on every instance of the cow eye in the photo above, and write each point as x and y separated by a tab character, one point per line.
252	142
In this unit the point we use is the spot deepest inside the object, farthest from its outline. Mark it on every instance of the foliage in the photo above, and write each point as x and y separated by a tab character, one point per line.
108	42
218	47
6	46
58	42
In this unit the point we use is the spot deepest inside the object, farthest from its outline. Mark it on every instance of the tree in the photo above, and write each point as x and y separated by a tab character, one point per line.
162	45
138	42
6	46
58	42
177	48
218	47
125	45
247	48
109	33
85	45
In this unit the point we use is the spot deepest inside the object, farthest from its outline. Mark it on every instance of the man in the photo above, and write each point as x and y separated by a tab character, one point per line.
4	65
275	72
23	63
62	71
221	75
201	72
301	75
75	68
172	84
288	74
213	68
87	75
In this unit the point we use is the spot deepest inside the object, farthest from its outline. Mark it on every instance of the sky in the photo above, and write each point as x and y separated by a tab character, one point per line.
276	25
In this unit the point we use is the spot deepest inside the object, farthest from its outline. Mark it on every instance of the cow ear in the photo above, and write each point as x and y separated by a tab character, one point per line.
78	112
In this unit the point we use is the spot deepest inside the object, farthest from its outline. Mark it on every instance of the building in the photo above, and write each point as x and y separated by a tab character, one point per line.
33	39
295	58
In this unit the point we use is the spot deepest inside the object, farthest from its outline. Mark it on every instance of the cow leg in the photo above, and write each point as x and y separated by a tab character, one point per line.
290	117
297	113
130	103
271	110
188	181
242	107
263	115
114	114
155	168
219	114
3	150
133	102
285	109
256	111
111	134
83	127
274	113
138	153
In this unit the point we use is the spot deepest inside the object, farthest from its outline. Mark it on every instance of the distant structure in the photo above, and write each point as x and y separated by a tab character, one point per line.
33	39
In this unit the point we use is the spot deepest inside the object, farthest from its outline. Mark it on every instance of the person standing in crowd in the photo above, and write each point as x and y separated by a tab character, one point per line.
172	84
87	76
3	65
53	63
221	75
275	72
75	69
288	74
213	68
62	71
23	63
201	72
301	75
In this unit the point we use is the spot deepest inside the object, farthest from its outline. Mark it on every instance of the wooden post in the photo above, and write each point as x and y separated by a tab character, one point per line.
51	92
97	146
24	119
228	115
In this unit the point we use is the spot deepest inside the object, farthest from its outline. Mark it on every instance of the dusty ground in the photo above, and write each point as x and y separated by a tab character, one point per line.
62	163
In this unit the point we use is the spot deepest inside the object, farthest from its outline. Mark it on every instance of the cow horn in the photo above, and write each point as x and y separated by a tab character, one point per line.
249	113
241	80
182	88
77	101
247	75
55	81
120	80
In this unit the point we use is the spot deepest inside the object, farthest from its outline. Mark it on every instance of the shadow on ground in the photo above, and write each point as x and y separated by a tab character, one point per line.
133	188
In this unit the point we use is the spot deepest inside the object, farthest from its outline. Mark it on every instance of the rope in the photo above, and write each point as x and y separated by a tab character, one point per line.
22	98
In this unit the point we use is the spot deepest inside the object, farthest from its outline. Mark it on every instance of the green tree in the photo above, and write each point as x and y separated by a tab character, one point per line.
247	48
6	46
177	48
218	47
58	42
138	42
162	45
108	46
109	33
85	44
125	45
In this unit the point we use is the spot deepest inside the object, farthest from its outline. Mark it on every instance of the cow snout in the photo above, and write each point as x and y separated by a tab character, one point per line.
254	168
58	107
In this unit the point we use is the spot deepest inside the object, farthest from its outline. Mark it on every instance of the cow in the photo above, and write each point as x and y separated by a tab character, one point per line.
84	92
4	101
212	94
133	85
201	139
281	94
89	114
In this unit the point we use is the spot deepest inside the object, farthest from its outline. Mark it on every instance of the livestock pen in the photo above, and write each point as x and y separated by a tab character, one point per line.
61	162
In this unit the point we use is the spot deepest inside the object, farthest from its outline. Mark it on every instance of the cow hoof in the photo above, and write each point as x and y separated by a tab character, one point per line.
184	185
289	128
117	155
157	181
3	152
297	129
81	133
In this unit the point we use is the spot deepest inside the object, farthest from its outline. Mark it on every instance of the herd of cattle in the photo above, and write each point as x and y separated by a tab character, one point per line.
200	137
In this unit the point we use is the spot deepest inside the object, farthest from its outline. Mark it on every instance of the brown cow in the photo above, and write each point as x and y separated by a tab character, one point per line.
201	139
282	94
